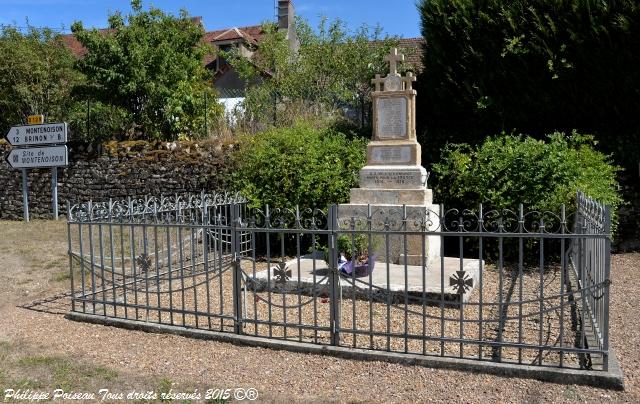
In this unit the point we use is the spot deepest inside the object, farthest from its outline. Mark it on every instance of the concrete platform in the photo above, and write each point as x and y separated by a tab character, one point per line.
300	278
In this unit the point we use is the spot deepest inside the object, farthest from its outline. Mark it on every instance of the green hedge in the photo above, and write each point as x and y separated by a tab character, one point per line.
300	165
533	66
509	170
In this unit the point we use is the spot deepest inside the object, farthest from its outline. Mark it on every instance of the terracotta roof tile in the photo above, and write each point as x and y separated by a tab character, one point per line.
74	45
252	33
78	50
70	41
412	49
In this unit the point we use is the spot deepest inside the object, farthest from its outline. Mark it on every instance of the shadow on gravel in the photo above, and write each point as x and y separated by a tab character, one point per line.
56	304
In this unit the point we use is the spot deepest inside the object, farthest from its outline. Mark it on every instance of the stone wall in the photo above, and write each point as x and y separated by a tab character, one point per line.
116	170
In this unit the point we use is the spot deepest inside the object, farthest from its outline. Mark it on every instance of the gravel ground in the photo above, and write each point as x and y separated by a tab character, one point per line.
279	376
202	294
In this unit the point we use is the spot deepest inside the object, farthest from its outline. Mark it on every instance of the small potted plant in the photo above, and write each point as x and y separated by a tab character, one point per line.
354	258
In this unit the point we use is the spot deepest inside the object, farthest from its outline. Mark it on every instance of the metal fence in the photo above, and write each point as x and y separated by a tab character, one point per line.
504	286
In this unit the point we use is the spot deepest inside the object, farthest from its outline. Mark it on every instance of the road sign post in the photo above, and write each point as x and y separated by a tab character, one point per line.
49	153
34	135
25	195
54	192
38	157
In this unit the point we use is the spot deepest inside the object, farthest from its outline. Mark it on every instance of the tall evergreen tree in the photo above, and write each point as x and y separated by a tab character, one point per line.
532	67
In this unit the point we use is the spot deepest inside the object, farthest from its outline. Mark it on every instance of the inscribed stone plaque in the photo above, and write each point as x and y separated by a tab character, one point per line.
392	118
391	179
391	154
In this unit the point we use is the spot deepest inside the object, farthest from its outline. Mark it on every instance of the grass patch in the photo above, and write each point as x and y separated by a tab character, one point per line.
57	263
5	348
64	373
4	381
61	276
217	401
164	387
65	274
26	383
7	382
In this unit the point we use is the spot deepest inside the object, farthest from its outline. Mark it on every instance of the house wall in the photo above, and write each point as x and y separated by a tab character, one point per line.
230	84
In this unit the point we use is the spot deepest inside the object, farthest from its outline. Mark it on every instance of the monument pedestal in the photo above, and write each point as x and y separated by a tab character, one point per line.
394	208
393	185
394	247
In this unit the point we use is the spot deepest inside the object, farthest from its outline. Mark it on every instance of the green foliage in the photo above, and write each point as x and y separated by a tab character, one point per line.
534	66
36	74
353	245
95	121
331	68
299	165
149	66
509	170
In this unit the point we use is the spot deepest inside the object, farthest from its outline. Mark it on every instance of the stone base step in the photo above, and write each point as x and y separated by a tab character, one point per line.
391	196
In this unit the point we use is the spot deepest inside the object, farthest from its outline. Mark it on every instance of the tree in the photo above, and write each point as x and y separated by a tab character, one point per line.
36	75
150	65
531	66
330	69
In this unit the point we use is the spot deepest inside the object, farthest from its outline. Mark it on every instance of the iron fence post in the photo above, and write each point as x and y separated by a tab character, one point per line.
334	281
70	255
88	116
237	280
607	285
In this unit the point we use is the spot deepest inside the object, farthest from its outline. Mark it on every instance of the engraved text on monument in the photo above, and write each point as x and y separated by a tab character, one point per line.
392	118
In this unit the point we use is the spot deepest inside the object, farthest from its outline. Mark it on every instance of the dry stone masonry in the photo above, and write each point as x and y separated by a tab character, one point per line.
115	170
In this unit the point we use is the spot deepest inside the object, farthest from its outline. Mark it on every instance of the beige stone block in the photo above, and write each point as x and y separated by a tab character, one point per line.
412	248
391	196
394	152
393	177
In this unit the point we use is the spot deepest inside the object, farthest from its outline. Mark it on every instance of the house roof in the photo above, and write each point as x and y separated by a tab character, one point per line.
412	49
70	41
252	34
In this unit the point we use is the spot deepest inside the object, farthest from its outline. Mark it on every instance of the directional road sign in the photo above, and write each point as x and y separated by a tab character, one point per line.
34	157
50	133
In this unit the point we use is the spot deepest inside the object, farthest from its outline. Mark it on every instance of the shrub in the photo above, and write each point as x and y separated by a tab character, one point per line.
509	170
299	165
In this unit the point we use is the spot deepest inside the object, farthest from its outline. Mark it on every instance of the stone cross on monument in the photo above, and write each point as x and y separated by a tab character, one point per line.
393	58
394	176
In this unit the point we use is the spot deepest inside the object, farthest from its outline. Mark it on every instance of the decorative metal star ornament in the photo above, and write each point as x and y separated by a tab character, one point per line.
144	262
461	282
282	274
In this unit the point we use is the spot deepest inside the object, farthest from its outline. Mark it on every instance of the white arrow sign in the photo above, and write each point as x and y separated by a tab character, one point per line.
49	133
53	156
